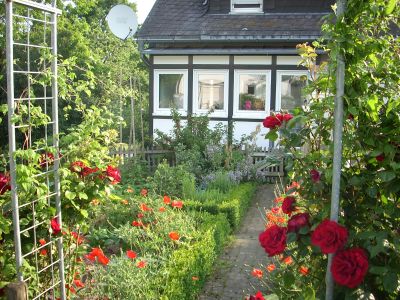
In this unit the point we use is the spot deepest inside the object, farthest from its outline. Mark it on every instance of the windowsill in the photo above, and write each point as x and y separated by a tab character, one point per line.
247	114
168	112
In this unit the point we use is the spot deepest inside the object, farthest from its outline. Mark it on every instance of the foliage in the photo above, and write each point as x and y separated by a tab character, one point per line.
168	180
370	170
234	203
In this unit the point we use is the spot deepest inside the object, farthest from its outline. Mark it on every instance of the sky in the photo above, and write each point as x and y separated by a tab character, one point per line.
143	8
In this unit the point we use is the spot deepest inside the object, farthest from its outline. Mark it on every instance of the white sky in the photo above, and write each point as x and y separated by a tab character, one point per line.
143	8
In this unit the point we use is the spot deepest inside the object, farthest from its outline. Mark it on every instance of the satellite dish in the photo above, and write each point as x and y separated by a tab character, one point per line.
122	21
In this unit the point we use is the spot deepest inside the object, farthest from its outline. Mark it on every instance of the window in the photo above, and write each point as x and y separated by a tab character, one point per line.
210	92
289	89
246	6
170	91
252	93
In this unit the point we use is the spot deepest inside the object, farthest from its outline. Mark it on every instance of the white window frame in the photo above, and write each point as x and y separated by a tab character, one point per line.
249	114
216	113
249	9
157	111
279	74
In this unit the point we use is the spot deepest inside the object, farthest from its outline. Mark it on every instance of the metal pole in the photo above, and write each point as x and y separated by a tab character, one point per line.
337	147
57	187
132	131
11	137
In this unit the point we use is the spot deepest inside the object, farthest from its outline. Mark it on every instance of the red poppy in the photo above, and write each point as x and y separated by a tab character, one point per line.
257	296
137	223
131	254
78	283
141	264
144	207
55	226
4	183
275	210
257	273
177	204
70	288
143	192
270	267
167	200
43	251
174	235
303	270
98	253
162	209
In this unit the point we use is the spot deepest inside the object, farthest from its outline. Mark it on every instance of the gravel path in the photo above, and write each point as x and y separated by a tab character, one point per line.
232	278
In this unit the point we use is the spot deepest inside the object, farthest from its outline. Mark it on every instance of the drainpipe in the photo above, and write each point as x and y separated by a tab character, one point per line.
142	55
337	147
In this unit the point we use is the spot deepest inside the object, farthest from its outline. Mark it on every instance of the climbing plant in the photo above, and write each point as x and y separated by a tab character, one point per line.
366	240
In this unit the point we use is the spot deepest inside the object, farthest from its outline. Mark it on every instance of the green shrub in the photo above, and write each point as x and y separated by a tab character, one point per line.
234	205
221	182
168	180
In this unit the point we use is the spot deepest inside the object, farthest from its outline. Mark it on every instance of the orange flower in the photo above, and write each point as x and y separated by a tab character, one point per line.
280	220
104	260
144	207
167	200
174	235
257	273
271	217
130	190
43	251
125	202
161	209
288	260
304	270
279	199
144	192
270	268
141	264
177	204
195	278
95	202
131	254
78	283
275	210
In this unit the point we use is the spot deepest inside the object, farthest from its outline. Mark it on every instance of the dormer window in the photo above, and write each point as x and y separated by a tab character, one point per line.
246	6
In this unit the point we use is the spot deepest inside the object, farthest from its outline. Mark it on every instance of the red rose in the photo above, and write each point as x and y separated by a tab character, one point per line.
4	183
315	175
298	221
329	236
272	122
349	267
273	240
114	173
55	226
288	205
287	117
87	171
380	157
77	167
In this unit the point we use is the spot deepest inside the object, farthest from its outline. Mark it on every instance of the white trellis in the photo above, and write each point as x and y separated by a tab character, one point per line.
31	31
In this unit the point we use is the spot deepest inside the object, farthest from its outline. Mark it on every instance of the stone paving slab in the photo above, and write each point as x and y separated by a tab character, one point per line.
231	278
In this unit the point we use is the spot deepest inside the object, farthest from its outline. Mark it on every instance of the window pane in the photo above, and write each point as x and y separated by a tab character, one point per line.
252	91
291	87
171	91
211	91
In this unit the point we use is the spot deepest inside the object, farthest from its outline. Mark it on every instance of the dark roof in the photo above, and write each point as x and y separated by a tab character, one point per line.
189	20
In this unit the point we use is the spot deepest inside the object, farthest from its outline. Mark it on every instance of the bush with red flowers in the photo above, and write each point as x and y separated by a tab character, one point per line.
273	240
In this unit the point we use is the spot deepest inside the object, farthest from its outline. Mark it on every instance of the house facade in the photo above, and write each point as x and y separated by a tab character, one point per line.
233	59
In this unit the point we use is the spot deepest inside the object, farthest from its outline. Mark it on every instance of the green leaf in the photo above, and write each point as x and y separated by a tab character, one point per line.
84	213
70	195
390	282
304	230
291	237
387	176
378	270
272	135
309	293
83	196
288	279
390	6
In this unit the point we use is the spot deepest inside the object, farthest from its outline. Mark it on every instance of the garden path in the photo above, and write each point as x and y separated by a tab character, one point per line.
232	275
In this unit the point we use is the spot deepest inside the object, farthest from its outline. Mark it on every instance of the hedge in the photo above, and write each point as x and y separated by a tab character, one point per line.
189	267
235	206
